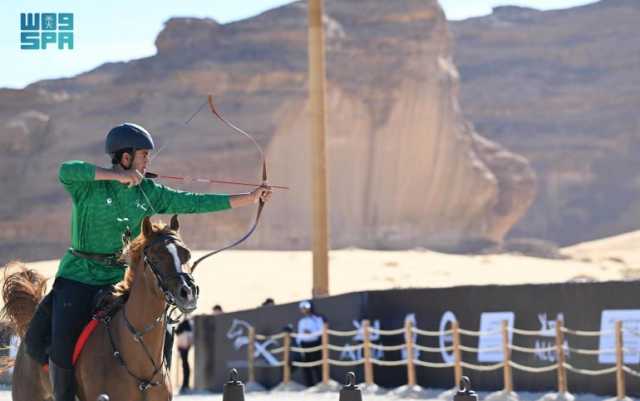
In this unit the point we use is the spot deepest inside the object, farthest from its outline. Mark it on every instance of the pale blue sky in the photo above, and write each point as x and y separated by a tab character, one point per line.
119	30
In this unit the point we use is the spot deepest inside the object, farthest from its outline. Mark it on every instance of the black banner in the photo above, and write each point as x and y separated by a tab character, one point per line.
221	341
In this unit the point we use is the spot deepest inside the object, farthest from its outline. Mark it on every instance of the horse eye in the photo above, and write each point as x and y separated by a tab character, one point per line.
185	255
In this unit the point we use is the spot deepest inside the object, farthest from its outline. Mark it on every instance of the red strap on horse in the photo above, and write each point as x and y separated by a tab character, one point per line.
82	340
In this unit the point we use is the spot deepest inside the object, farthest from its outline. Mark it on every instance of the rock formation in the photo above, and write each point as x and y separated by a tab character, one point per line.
405	168
561	88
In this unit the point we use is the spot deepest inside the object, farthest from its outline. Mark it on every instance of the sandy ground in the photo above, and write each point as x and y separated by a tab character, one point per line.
621	249
243	279
334	396
6	396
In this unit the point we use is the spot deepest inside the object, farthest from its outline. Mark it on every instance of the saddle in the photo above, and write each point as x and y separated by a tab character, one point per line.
106	306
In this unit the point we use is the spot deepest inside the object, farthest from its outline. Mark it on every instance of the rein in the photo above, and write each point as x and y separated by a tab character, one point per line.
166	317
143	384
162	280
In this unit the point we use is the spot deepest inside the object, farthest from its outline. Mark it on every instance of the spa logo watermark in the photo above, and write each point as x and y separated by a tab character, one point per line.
42	31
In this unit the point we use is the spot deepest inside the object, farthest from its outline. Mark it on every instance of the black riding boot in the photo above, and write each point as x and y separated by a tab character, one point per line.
63	382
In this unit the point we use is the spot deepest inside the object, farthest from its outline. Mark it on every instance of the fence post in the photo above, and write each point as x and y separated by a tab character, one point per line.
619	361
562	373
251	377
457	362
506	357
411	367
366	344
325	353
286	369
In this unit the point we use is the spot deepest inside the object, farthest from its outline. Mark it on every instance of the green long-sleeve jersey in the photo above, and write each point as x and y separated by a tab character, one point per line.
104	210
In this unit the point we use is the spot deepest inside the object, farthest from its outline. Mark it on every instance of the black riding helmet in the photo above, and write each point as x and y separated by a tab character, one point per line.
127	137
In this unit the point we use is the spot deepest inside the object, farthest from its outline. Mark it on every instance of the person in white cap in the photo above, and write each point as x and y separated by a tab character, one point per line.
309	336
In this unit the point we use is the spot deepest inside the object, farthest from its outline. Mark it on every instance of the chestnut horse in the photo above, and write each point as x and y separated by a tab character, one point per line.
123	358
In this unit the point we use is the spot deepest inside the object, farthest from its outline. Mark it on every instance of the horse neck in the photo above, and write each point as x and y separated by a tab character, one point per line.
142	308
146	301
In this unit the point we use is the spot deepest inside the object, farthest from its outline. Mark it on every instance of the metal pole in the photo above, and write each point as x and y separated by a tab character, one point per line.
318	158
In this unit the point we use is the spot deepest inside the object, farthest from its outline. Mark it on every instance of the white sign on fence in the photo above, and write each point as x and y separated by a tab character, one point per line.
446	340
490	344
630	335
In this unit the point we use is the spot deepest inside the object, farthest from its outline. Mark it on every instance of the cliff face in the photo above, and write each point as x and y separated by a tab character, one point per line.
561	88
405	168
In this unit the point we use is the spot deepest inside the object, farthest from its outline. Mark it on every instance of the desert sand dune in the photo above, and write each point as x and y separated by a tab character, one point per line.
243	279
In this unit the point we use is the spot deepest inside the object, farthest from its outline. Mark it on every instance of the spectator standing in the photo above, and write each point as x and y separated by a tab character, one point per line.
309	336
185	341
217	310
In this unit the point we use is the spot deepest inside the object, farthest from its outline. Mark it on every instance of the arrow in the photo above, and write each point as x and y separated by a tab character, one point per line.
205	180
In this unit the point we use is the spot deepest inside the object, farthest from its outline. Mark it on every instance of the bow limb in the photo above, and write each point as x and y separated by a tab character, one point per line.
264	182
229	124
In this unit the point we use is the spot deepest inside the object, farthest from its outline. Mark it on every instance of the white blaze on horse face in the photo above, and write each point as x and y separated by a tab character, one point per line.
178	265
176	260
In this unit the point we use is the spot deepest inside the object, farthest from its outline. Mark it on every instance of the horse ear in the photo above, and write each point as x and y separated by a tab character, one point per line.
147	227
175	224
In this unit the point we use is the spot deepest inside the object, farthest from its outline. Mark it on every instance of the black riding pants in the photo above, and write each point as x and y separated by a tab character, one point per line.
186	370
72	307
38	337
313	374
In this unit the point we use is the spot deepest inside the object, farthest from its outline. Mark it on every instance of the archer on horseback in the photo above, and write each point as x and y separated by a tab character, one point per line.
109	204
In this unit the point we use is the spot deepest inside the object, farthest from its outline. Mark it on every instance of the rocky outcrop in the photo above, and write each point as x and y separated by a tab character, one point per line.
24	139
561	88
405	168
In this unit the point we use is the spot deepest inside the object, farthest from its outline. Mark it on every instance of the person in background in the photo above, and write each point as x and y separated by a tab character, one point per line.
309	336
185	341
217	310
268	302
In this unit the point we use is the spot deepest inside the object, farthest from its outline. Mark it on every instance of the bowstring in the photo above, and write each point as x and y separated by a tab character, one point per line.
163	147
264	180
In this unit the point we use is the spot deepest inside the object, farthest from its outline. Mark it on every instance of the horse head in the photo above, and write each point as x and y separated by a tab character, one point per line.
167	257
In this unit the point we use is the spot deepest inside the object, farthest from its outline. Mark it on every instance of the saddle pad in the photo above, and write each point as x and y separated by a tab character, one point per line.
82	340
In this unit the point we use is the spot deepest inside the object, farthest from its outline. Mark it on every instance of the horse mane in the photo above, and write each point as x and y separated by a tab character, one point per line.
132	256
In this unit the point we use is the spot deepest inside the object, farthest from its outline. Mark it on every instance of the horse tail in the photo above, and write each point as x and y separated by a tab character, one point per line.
21	294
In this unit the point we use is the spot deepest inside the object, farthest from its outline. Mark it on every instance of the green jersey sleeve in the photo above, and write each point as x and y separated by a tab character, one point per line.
74	174
167	200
